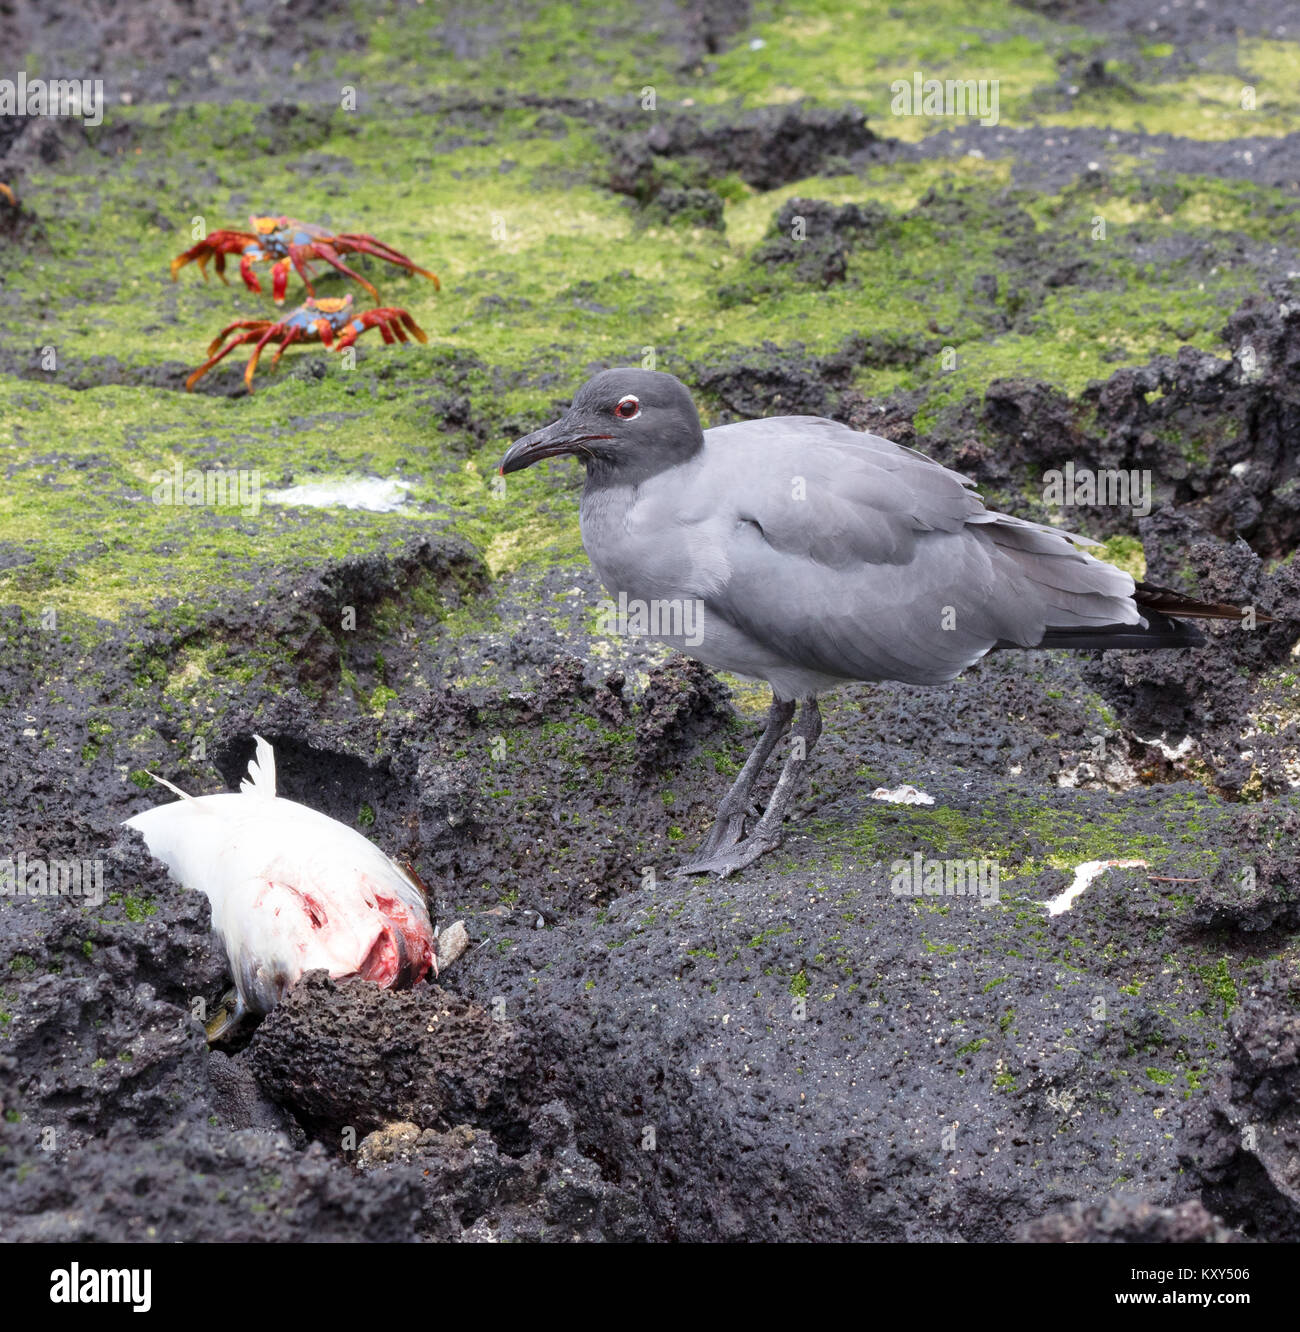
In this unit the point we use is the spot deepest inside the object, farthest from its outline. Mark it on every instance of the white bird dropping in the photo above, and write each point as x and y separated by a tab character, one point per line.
292	890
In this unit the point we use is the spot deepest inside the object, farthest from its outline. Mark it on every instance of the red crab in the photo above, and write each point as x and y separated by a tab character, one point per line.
329	321
284	241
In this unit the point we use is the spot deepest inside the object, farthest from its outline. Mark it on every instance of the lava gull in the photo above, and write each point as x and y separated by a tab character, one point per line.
816	555
291	890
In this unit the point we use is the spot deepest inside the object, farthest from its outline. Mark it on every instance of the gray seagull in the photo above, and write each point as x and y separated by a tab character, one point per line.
816	555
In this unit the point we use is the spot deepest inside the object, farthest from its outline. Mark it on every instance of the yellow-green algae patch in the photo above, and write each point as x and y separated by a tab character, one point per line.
85	502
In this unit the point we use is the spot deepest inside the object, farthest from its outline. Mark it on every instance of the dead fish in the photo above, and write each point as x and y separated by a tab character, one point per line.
291	889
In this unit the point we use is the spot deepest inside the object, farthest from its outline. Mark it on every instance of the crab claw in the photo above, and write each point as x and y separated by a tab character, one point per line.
246	272
279	280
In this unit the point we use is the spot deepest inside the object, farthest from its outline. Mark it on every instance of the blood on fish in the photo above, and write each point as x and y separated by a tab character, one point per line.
411	942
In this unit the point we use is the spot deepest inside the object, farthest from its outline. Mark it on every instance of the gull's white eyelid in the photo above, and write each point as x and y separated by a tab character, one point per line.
623	401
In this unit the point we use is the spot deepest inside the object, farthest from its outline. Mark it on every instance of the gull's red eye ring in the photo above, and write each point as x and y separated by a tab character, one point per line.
628	409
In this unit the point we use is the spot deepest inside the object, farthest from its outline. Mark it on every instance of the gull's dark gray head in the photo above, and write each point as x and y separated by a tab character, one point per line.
624	424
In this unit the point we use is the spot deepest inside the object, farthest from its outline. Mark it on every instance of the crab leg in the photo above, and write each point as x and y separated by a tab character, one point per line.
198	252
251	368
324	250
389	320
303	266
416	331
258	324
290	337
218	245
364	244
224	352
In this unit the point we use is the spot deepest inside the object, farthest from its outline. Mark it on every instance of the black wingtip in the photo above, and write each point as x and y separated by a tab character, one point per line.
1159	632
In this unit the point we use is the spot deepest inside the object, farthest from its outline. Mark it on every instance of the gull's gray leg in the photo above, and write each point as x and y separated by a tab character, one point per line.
729	822
766	836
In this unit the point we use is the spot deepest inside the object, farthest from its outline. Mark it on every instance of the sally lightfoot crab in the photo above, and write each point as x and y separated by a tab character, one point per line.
328	321
284	242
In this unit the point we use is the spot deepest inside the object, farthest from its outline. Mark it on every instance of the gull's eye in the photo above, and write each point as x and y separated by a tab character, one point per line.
628	408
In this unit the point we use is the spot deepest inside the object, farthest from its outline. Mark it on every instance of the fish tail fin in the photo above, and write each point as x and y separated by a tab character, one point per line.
261	771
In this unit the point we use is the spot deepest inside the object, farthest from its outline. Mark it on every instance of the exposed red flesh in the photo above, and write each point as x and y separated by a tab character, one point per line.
403	951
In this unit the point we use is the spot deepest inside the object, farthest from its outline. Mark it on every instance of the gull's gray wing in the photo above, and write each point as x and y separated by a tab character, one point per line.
848	555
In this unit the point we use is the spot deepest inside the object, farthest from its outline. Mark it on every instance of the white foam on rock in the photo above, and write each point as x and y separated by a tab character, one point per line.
377	494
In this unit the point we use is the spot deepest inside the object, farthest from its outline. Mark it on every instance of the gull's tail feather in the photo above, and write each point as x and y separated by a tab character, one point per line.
1091	604
1163	601
1164	612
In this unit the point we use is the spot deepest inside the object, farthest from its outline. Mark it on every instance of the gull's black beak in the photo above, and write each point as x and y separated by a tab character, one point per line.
566	435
